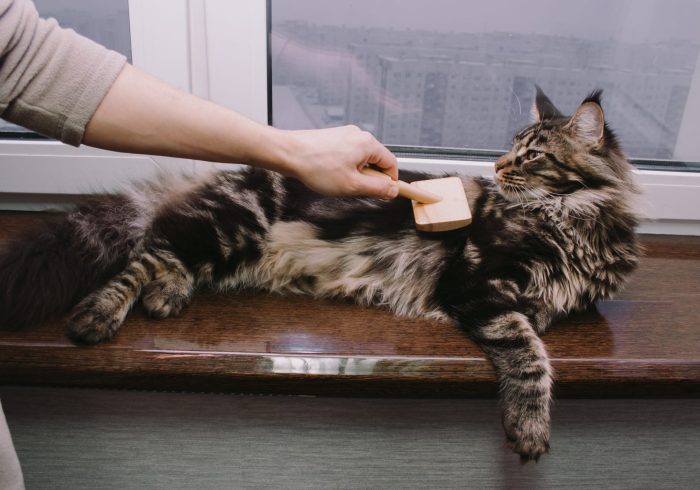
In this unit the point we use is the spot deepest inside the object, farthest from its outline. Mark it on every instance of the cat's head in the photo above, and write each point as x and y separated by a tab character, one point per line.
575	157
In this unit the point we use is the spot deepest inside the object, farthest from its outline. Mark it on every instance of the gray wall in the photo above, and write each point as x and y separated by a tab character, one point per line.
93	439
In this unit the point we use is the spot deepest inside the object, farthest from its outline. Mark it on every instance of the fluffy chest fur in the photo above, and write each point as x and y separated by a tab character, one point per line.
565	260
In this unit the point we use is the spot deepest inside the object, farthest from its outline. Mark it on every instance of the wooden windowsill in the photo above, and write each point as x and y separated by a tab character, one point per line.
644	343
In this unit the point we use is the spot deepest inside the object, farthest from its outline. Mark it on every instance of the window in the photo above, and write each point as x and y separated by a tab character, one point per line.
644	54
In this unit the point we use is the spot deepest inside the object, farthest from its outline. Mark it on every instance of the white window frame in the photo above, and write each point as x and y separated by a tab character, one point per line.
217	49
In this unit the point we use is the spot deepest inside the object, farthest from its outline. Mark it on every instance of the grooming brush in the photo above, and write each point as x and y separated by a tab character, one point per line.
438	204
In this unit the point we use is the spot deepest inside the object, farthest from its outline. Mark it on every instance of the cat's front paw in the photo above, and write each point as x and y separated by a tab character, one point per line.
527	437
93	321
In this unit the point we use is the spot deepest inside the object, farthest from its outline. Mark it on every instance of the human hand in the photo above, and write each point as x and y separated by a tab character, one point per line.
329	161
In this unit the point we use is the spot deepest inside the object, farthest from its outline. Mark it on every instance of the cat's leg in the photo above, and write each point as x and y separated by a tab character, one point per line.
525	379
100	314
170	291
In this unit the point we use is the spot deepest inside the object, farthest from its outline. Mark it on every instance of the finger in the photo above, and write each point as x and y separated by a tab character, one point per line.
379	187
386	160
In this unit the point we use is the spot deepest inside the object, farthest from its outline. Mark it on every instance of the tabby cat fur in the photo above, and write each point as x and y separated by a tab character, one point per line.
550	235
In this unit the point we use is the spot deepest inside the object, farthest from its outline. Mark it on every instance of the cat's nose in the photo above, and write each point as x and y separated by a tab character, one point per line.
503	162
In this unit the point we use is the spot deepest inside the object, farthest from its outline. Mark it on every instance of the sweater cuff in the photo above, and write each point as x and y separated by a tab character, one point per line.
94	90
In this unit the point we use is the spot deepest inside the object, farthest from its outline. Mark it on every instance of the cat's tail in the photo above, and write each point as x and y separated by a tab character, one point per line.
51	266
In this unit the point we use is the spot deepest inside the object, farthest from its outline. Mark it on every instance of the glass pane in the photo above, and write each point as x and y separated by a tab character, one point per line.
106	22
461	74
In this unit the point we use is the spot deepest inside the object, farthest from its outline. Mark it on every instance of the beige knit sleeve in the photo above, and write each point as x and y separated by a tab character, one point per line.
51	79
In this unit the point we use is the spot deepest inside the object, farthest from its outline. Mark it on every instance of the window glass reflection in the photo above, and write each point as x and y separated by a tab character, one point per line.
450	73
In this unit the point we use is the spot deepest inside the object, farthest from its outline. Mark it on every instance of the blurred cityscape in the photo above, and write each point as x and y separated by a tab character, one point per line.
473	90
106	21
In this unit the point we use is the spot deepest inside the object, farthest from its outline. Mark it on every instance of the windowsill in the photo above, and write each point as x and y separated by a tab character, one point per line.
644	343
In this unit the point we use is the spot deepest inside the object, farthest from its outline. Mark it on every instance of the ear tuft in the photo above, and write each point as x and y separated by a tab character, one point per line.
594	96
588	123
542	107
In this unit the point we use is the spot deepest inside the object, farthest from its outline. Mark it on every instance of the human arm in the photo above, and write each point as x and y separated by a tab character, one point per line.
141	114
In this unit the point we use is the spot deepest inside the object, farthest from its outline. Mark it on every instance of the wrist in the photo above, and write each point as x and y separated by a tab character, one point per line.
281	152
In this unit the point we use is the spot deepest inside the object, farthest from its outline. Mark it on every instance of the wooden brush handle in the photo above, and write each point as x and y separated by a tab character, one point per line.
407	190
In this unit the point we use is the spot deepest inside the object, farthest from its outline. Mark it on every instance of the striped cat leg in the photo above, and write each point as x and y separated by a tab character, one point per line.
171	290
100	314
525	378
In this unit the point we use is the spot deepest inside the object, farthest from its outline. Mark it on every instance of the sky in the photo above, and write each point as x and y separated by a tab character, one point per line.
624	20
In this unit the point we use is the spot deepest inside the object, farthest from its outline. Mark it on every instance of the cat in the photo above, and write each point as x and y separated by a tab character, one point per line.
551	234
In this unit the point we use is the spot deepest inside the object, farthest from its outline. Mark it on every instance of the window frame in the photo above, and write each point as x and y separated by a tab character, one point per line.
196	45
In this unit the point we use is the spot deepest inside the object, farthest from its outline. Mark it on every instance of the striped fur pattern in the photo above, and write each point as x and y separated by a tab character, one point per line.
552	234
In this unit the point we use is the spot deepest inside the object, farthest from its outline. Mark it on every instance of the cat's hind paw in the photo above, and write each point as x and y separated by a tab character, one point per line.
95	320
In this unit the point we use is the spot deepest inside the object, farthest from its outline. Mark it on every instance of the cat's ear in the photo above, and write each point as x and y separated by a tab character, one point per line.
542	107
588	123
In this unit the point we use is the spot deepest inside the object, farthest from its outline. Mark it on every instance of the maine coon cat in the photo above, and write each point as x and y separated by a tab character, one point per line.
553	233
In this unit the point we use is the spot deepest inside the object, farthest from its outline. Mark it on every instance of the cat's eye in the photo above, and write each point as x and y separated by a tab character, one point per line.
532	154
